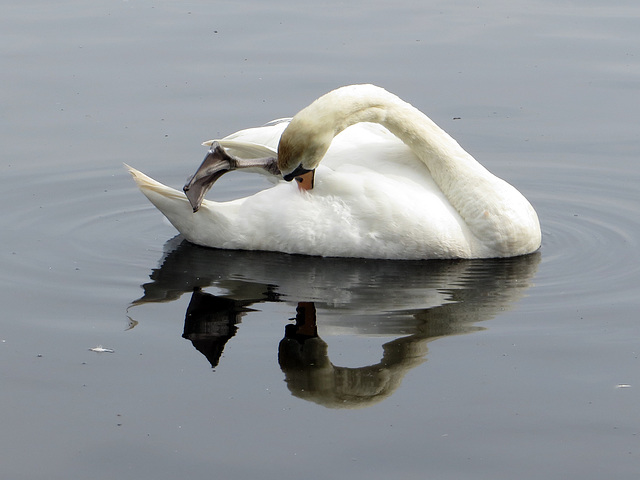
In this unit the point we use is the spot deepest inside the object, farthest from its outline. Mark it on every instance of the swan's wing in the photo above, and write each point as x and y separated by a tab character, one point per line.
372	147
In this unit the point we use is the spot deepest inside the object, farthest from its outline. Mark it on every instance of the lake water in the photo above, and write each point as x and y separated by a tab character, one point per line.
521	368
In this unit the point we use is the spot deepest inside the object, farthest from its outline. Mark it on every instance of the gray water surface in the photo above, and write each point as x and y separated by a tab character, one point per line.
521	368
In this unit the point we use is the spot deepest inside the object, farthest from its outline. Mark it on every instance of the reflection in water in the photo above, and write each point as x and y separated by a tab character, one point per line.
416	302
210	322
309	373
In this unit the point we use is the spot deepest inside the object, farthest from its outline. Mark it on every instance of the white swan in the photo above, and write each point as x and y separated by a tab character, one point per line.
396	186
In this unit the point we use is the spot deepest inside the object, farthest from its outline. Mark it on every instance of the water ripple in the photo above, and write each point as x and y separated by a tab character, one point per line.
590	226
97	221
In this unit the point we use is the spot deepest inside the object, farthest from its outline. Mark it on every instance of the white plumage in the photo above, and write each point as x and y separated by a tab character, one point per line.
410	194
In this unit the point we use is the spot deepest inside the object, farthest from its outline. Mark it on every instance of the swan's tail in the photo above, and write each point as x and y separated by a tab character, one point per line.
150	186
172	203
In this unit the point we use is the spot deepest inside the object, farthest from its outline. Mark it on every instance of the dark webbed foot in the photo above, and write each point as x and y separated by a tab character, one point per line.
217	163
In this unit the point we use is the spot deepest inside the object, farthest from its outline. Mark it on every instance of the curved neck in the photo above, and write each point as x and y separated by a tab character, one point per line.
446	160
483	200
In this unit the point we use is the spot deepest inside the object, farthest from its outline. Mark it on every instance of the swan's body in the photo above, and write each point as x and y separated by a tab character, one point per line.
405	191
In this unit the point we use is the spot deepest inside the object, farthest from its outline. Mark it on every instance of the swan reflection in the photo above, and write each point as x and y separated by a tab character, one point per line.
303	357
413	302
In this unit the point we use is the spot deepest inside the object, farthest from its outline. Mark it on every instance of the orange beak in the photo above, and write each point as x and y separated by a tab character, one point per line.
305	181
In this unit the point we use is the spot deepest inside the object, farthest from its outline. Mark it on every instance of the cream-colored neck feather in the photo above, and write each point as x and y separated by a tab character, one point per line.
497	214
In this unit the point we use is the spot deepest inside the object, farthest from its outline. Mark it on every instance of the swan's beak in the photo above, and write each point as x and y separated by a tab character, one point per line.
306	323
217	163
305	181
303	176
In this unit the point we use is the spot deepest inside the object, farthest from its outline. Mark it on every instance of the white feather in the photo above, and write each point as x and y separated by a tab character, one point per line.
413	194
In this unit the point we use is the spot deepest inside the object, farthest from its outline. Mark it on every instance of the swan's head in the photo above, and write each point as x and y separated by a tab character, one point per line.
302	146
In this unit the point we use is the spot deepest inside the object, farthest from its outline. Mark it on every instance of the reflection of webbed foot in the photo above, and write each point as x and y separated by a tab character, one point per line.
215	164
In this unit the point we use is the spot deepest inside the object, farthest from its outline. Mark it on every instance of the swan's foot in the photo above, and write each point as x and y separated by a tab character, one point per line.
217	163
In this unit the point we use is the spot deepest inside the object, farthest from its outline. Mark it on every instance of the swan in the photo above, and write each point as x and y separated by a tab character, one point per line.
375	178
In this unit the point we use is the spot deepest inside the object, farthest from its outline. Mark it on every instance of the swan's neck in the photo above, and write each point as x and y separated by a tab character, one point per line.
311	131
482	200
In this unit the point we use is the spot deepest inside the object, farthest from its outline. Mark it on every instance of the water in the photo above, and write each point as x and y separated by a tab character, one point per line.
518	368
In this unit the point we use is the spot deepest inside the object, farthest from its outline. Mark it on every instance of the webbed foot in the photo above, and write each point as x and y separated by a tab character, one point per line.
215	164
